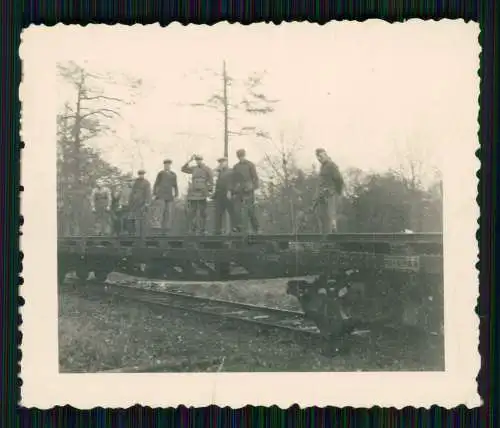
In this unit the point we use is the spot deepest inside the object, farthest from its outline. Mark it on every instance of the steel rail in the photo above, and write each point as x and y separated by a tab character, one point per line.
282	319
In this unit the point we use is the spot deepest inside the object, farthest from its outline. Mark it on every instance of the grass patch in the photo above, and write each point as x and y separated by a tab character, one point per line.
97	334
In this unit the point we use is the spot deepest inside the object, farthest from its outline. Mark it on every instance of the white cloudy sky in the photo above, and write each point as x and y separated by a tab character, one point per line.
364	91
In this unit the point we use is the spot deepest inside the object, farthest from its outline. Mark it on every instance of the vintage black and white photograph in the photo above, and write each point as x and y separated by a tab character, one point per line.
294	199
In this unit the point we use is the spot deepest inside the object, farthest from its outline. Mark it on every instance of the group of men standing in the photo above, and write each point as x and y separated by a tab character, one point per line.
122	210
233	194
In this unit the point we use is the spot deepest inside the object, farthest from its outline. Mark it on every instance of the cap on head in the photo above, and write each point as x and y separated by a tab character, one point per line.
320	151
241	152
141	172
167	161
222	159
198	157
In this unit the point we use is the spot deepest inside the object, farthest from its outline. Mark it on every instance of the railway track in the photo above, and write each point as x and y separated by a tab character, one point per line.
281	319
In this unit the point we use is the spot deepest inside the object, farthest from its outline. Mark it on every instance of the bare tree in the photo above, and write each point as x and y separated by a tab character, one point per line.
279	166
253	102
96	104
415	169
415	165
279	162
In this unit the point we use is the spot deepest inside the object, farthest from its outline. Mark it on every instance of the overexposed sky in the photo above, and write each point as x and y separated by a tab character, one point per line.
363	91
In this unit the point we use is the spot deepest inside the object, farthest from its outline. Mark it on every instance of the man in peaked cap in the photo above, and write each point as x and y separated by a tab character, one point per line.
165	189
199	189
139	200
330	187
222	195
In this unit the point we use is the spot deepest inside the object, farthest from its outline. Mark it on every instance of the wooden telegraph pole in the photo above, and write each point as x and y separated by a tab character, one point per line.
226	126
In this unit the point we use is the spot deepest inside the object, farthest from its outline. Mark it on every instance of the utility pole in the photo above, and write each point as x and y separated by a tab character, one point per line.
226	130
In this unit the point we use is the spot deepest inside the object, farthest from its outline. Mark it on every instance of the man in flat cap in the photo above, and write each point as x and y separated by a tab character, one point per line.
330	187
245	182
201	186
222	195
139	200
165	191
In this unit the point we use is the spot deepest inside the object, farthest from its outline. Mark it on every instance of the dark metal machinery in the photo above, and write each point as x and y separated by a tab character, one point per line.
358	277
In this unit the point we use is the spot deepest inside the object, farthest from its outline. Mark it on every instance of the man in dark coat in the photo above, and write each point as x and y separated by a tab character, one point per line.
222	195
139	200
165	189
199	189
119	207
245	182
330	187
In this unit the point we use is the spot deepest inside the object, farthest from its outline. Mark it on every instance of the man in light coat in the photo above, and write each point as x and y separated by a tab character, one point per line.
200	188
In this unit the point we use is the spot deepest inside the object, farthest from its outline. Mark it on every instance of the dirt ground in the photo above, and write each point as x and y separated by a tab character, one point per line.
97	333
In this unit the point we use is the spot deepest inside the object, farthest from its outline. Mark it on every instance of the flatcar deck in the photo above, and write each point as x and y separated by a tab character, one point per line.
256	256
312	237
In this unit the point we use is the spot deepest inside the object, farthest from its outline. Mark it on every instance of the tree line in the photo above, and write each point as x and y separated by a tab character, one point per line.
392	201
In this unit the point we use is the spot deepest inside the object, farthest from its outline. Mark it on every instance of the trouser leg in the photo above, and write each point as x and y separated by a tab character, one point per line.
107	223
202	209
192	214
332	212
99	222
219	214
167	215
237	206
323	213
252	216
230	212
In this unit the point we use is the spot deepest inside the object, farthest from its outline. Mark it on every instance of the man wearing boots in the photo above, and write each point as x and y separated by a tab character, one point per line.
200	188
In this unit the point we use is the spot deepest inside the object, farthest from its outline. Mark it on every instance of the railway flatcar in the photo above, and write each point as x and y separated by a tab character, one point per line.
346	279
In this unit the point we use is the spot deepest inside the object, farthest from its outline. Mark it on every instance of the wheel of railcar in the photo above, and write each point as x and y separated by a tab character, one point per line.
223	270
62	271
82	273
155	271
101	274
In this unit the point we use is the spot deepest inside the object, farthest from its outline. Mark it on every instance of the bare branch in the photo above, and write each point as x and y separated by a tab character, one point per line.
216	98
237	133
104	112
198	105
263	97
263	134
102	97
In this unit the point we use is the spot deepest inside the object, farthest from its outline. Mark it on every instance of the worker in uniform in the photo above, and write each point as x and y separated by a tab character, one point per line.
245	182
330	187
222	195
119	207
165	190
200	188
100	202
139	200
